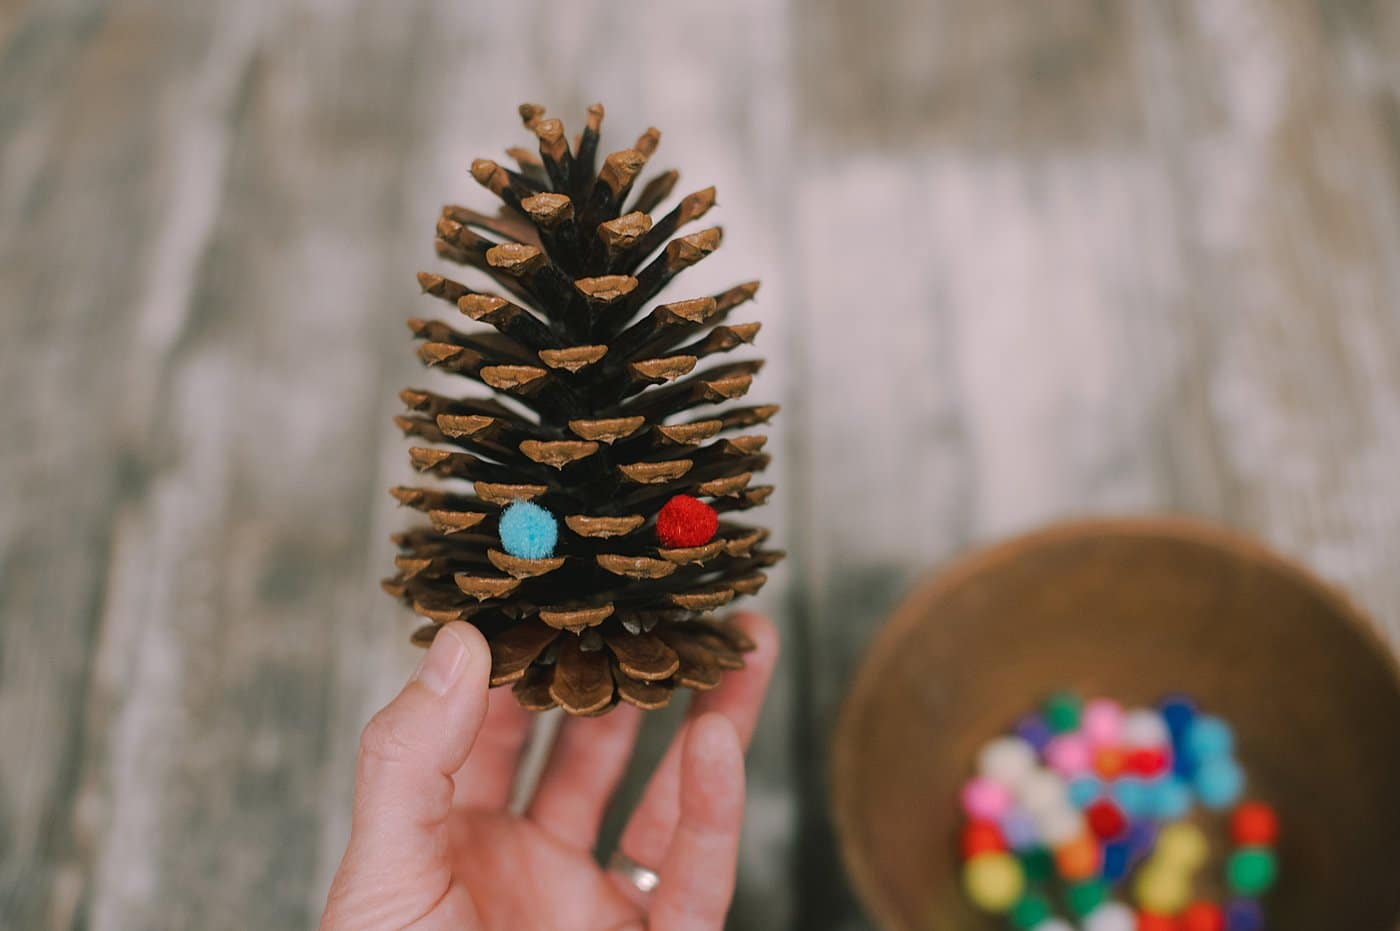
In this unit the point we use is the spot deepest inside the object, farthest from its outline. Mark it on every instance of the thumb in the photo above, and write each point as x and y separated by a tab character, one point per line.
397	865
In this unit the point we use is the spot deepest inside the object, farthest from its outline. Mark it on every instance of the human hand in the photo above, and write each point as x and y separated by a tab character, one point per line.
432	844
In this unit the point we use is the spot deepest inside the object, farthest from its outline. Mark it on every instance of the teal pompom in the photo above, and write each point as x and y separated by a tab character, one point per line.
1171	799
1209	737
528	531
1219	783
1084	791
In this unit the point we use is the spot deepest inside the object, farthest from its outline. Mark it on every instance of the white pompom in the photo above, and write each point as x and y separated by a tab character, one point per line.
1059	826
1041	791
1144	728
1006	760
1111	916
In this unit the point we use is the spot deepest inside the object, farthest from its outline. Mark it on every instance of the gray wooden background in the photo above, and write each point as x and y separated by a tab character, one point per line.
1021	260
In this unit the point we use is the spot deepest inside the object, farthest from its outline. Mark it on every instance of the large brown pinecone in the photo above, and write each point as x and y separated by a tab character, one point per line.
593	419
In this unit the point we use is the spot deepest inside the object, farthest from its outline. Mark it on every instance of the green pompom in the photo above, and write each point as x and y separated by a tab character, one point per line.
1251	870
1030	912
1062	712
1084	897
1038	864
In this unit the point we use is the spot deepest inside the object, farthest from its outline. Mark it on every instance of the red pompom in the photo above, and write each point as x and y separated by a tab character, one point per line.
1146	762
1202	916
981	837
1254	824
1147	921
1106	820
685	521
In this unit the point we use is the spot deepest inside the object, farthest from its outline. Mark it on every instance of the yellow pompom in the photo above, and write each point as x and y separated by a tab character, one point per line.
1183	846
1163	890
994	881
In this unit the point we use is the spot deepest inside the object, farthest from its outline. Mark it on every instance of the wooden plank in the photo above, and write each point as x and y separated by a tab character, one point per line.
243	627
81	200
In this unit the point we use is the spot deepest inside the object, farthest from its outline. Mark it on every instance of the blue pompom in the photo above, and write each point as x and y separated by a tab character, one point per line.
1178	711
1209	738
1116	856
1219	783
1244	915
1084	791
1171	799
528	531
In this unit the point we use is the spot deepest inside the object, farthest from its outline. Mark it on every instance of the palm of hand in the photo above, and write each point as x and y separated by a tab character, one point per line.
517	875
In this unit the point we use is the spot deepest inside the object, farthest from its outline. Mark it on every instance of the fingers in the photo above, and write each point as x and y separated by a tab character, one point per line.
738	698
396	865
582	774
698	873
486	779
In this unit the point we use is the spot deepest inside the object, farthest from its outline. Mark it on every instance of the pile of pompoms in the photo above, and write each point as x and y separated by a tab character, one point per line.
1093	814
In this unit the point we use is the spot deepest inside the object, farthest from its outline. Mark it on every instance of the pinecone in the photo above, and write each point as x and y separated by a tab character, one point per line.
593	426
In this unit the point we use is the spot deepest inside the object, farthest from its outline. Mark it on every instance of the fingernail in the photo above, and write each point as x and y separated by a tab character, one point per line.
443	662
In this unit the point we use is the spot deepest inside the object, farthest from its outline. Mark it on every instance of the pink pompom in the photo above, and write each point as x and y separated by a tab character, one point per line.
1102	722
985	800
1069	755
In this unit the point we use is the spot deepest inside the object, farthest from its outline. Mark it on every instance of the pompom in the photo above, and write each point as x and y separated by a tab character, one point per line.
685	521
528	531
1254	824
994	882
985	800
1084	791
1219	783
1007	760
1111	916
1209	738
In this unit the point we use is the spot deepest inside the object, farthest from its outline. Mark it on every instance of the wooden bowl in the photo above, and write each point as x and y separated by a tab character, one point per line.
1132	609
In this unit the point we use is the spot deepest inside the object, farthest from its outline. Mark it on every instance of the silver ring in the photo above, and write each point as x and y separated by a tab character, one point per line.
643	879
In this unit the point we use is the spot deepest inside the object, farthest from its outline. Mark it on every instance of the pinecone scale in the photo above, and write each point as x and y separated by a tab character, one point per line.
605	408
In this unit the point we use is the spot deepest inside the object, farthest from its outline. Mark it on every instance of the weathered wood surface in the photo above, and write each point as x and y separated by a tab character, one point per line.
1020	261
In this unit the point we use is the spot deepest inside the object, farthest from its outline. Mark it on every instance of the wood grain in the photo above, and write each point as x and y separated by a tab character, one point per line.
1019	261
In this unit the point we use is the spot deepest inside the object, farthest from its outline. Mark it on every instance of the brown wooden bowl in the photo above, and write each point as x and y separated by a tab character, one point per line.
1132	609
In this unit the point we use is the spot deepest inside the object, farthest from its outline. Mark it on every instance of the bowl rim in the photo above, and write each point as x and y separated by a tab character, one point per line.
934	583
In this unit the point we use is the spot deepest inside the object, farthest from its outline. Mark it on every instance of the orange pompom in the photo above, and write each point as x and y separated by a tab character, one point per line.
1108	762
1078	859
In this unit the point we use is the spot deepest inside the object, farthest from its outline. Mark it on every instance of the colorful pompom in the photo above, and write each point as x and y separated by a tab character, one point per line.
994	881
1111	916
685	522
1209	738
1251	871
1106	819
1062	712
528	531
1030	912
1082	898
1084	791
1219	783
985	800
1244	915
1102	722
1182	846
1202	916
980	837
1007	760
1254	824
1078	859
1069	755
